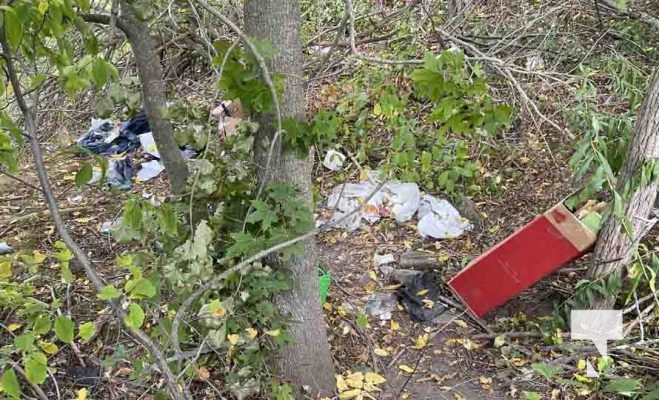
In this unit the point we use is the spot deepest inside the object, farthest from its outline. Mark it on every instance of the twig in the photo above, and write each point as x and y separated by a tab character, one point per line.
416	365
17	179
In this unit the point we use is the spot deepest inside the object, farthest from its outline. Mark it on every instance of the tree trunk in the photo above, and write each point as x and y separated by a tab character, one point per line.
614	246
153	92
307	361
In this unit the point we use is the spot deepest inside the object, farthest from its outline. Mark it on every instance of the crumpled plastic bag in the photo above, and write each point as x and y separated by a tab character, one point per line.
148	144
439	219
405	199
398	199
149	170
333	160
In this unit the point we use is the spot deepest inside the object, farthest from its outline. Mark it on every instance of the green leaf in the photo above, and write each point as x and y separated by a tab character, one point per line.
10	384
67	275
546	370
35	367
25	342
12	26
531	395
135	317
109	292
622	386
84	175
41	325
142	289
262	213
64	328
362	321
86	331
85	5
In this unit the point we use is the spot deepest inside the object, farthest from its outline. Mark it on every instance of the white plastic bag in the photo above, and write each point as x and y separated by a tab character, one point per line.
439	219
334	160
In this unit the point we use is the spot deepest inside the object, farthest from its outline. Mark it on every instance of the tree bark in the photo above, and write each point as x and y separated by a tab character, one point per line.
614	247
153	92
306	362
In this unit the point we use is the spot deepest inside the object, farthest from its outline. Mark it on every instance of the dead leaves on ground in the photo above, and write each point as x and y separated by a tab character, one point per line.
358	385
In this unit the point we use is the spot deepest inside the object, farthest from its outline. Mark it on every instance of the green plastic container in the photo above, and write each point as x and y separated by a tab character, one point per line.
324	282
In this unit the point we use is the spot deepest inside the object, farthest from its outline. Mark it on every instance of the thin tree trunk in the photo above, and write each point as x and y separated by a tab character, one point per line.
307	361
614	246
153	92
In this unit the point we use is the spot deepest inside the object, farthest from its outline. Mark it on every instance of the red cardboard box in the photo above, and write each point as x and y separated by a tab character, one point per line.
533	252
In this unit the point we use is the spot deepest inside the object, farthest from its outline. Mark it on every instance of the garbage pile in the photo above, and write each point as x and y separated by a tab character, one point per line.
436	218
116	141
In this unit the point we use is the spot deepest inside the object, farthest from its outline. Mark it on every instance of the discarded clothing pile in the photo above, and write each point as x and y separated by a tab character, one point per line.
105	138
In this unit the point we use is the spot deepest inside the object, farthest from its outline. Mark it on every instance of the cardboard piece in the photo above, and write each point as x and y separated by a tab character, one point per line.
531	253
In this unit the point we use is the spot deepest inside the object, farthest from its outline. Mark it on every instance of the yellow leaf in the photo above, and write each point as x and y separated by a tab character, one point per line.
204	373
581	364
374	379
83	220
405	395
380	352
355	380
421	341
253	333
371	388
48	348
38	257
341	384
406	368
350	394
443	257
394	325
494	229
342	311
377	109
81	394
427	303
460	323
233	339
13	327
42	7
422	292
581	378
273	333
372	275
5	269
327	306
